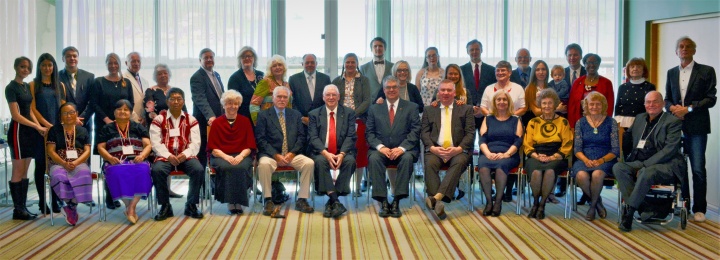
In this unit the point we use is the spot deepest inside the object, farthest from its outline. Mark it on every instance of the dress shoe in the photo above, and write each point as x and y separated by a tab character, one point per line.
440	210
488	208
90	204
533	211
269	207
237	211
303	206
626	219
699	217
430	202
540	213
192	211
175	195
497	208
56	207
328	211
460	195
130	217
601	211
363	186
560	194
384	209
584	199
114	204
507	198
590	215
165	212
338	209
395	211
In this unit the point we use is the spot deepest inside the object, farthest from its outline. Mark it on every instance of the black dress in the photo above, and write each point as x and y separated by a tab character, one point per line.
241	84
158	96
20	137
103	96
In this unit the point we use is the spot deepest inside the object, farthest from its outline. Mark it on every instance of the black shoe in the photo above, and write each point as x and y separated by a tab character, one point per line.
440	211
540	212
269	208
514	191
303	206
395	211
647	215
488	208
114	204
507	198
338	209
166	211
384	209
460	195
192	211
363	186
328	211
44	209
56	208
90	204
175	195
626	219
583	200
533	211
24	183
497	208
560	194
430	202
19	211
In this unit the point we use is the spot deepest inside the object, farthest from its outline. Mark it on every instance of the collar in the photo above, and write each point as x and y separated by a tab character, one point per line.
689	66
308	75
656	119
378	59
133	74
277	111
525	71
478	64
636	82
450	106
333	110
208	71
170	115
395	104
357	74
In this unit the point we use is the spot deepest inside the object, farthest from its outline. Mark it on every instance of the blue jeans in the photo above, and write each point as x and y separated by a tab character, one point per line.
694	146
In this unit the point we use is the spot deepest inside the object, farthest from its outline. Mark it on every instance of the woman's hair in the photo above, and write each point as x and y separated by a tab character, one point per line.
594	96
70	104
397	64
636	61
276	59
245	49
230	94
54	78
123	102
19	60
425	63
504	64
511	106
460	86
117	58
547	93
587	56
533	77
345	59
161	66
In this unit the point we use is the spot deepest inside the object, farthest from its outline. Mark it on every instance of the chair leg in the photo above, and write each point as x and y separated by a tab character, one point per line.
48	198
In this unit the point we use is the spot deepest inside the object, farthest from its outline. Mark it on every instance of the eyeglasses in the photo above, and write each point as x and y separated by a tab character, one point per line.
247	57
403	70
432	56
175	99
69	113
392	87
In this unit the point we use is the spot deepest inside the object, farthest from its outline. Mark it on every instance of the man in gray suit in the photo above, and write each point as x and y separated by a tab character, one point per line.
133	62
332	143
652	148
280	137
307	87
392	132
448	132
206	88
379	68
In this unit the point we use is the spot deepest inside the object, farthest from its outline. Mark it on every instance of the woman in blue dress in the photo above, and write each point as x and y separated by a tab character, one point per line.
500	141
597	147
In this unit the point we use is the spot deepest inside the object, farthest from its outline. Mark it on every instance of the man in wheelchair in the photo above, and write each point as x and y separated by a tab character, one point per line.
652	149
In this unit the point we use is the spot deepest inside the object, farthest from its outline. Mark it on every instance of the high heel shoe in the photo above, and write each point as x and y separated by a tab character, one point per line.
497	208
533	211
488	209
130	217
540	212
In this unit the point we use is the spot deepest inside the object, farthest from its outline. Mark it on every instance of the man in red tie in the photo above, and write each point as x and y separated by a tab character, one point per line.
478	75
332	145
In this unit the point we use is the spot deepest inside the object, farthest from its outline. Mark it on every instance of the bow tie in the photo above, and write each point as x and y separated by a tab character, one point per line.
379	62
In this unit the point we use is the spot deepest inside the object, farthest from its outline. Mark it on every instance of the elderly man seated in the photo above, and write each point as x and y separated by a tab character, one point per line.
652	149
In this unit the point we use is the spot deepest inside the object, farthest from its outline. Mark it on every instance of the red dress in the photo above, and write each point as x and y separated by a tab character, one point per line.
579	90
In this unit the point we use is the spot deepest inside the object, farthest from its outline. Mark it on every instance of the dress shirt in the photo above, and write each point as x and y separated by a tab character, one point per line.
213	79
685	80
327	132
311	86
441	139
379	69
160	148
395	107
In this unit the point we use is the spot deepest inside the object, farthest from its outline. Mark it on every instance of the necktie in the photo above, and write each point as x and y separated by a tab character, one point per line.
332	138
477	77
137	78
216	83
379	62
311	86
392	114
284	132
73	83
574	77
446	131
524	78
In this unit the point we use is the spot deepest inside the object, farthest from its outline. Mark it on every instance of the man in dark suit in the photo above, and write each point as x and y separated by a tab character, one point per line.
574	70
206	88
652	146
448	132
392	132
78	83
379	68
521	75
280	136
307	87
691	90
332	143
478	75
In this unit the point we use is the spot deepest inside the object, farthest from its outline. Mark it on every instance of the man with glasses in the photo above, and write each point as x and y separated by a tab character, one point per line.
308	87
521	75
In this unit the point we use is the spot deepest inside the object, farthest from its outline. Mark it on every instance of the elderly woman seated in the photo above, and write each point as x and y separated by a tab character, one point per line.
231	142
125	146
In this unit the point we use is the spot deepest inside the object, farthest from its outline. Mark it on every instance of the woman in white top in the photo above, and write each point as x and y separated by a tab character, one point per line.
503	70
429	77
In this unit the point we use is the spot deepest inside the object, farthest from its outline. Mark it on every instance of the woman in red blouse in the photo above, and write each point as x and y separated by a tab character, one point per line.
586	84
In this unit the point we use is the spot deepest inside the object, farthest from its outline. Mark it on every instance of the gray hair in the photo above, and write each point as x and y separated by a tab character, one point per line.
203	51
245	49
388	79
685	38
330	87
161	66
278	88
276	59
397	64
229	95
131	54
547	93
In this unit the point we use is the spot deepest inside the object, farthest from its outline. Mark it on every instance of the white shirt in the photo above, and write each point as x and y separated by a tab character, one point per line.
577	71
479	66
443	127
213	79
685	80
327	132
311	87
161	150
379	69
516	93
395	106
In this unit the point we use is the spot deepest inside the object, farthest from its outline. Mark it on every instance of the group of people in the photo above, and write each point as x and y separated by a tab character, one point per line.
371	116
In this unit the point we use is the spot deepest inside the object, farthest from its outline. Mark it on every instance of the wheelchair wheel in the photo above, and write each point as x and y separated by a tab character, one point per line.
683	218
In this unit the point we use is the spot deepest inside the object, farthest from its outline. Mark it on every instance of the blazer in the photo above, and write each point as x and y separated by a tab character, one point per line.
206	102
413	94
487	77
241	84
361	94
301	92
404	132
666	138
462	126
368	69
700	94
83	84
568	75
138	94
515	77
344	130
269	136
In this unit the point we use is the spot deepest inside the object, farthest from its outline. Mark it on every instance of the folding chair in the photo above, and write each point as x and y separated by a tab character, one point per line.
468	176
281	169
394	167
96	178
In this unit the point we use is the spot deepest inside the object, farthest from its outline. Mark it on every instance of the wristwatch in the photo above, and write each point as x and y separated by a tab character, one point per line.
690	108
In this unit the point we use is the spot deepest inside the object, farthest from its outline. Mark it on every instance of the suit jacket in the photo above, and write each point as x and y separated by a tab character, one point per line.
138	95
462	126
368	70
206	101
84	81
666	138
301	92
515	77
413	94
404	132
487	77
344	130
568	74
269	136
700	94
361	94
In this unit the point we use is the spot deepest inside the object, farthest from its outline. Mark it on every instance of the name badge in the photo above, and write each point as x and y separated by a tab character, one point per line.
174	132
641	144
128	150
71	154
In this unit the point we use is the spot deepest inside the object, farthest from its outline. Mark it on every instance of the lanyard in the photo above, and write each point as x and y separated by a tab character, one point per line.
123	135
651	130
70	143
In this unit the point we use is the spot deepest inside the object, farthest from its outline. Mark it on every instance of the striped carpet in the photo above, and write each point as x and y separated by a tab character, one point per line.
359	234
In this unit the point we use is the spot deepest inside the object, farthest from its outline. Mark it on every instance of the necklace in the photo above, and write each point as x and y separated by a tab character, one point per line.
551	118
595	124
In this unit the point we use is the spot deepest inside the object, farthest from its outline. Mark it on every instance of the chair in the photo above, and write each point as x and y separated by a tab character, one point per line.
572	188
96	177
393	167
523	184
468	175
207	195
282	169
